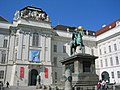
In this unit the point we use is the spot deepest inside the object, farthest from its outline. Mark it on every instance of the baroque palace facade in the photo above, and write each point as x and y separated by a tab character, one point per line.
30	46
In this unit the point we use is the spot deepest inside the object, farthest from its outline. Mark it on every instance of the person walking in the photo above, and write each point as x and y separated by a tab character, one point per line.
99	85
1	87
104	85
7	84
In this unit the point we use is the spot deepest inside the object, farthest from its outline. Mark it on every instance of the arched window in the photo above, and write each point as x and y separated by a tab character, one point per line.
105	76
35	39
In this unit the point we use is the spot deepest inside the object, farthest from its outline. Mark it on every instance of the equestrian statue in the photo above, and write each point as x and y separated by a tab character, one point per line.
77	39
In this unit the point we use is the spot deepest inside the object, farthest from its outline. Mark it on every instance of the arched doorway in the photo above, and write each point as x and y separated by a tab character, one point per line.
105	76
33	77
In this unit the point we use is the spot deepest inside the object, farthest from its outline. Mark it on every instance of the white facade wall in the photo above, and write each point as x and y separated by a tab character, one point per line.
4	35
24	37
105	40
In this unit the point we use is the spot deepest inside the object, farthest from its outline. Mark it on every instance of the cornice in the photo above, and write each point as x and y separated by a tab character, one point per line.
108	38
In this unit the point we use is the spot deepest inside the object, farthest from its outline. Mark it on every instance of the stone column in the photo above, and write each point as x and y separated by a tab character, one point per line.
11	49
77	71
63	69
63	73
20	46
76	67
27	41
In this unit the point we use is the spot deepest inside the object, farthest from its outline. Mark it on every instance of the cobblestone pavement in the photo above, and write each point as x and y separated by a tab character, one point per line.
20	88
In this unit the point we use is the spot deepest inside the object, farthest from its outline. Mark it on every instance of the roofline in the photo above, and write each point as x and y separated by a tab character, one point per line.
107	28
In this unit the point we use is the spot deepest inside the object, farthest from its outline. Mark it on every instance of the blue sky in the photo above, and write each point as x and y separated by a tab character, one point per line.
91	14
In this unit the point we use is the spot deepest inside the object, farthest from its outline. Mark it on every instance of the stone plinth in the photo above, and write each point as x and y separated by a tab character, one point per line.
82	67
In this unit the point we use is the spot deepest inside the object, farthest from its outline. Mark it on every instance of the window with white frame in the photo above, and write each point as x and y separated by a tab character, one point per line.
35	39
3	58
1	74
101	62
117	60
5	43
55	61
106	63
55	75
104	50
112	74
64	49
115	47
92	51
111	61
118	74
100	51
109	48
55	48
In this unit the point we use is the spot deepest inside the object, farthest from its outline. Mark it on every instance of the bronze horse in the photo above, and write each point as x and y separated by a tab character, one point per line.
76	41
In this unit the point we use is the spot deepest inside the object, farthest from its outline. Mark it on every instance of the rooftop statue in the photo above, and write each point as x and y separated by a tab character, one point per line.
76	39
33	13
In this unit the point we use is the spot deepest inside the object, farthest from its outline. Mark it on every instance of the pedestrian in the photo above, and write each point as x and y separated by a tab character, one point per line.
104	85
99	85
1	87
114	85
7	84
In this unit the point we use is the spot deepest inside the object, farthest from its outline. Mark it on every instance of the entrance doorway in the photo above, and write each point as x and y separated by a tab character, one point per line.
105	76
33	77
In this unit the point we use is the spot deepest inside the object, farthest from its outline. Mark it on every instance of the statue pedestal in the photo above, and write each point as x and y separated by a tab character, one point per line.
82	67
68	81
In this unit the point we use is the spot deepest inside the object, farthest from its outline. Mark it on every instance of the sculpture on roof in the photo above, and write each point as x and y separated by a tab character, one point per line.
76	39
32	13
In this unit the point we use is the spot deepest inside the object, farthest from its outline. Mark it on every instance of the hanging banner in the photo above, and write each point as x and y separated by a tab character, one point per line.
21	72
34	55
46	72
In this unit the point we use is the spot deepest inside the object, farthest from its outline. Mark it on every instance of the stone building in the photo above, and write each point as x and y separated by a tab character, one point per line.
108	46
31	46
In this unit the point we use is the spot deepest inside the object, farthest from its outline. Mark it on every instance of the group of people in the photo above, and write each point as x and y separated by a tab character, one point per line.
102	85
7	85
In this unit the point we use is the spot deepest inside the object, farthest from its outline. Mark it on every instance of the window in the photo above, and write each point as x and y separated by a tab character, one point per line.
118	74
111	61
100	52
35	39
106	63
55	75
3	58
92	51
117	61
55	48
109	48
104	50
115	47
101	62
64	49
55	61
5	43
1	74
112	74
